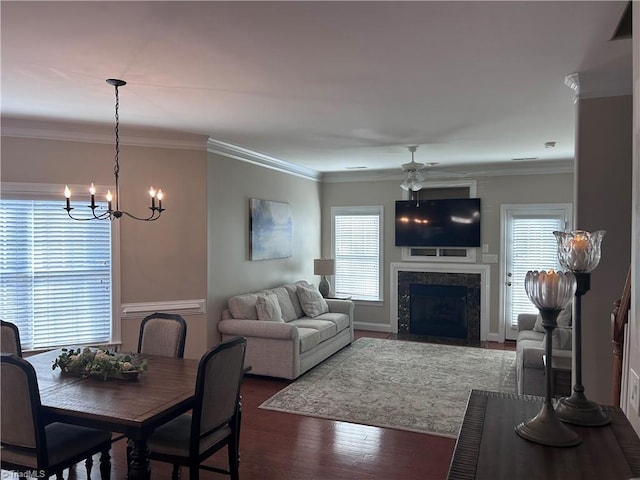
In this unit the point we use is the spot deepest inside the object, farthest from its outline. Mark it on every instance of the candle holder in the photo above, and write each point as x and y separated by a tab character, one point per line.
579	252
550	292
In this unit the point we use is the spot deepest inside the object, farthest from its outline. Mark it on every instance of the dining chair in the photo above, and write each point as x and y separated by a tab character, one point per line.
30	443
162	334
10	338
215	419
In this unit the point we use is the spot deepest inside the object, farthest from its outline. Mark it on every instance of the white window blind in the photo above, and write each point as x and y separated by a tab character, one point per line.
55	274
534	248
357	251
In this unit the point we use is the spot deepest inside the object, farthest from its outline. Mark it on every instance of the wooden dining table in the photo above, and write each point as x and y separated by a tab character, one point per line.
132	407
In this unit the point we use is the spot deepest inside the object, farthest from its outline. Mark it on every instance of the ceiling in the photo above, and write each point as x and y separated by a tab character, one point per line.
330	86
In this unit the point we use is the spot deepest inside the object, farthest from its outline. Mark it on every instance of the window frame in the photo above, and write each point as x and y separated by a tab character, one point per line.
51	191
368	210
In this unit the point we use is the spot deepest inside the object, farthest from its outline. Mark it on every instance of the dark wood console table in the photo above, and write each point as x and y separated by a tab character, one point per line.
488	448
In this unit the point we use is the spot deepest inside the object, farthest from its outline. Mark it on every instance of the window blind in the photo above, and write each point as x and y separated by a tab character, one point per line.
357	254
534	248
55	274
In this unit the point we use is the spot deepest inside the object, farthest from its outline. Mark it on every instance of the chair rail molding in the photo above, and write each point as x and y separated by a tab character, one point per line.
181	307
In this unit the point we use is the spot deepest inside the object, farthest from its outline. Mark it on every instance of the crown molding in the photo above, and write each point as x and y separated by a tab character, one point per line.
538	167
239	153
597	84
94	133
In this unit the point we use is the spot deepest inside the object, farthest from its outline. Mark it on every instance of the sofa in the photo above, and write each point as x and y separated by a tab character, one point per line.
530	349
289	329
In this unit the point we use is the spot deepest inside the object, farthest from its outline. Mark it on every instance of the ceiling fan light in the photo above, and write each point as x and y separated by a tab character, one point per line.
416	186
406	185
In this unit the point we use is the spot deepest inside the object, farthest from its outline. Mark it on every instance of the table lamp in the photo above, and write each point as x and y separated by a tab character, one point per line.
324	267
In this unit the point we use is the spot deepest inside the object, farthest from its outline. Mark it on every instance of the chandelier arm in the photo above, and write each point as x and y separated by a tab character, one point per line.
150	218
102	216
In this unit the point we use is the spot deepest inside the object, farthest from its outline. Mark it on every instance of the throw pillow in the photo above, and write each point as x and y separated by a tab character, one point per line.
564	319
311	301
561	339
268	308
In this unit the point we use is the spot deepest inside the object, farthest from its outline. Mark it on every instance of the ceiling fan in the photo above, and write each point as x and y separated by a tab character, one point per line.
415	172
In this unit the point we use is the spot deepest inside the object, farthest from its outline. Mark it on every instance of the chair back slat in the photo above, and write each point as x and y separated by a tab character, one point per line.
20	424
218	386
162	334
10	338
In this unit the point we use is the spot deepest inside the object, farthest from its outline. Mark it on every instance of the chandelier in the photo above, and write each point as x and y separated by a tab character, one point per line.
113	201
415	176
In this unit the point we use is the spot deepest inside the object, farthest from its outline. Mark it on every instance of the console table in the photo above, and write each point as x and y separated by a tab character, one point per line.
488	448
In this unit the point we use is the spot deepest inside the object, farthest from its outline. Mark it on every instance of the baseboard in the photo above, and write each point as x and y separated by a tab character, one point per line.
495	337
372	327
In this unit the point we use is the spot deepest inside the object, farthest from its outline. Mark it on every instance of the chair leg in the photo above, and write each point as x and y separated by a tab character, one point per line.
105	465
175	474
88	463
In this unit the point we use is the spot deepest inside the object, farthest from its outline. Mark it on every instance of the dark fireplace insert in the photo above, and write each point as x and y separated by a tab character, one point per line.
438	310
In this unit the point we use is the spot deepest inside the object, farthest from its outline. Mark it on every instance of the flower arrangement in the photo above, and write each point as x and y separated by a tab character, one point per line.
100	362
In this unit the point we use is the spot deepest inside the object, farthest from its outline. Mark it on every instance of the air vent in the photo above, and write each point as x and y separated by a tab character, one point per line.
524	159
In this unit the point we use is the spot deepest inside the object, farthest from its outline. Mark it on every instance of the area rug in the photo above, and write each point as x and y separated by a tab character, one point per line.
413	386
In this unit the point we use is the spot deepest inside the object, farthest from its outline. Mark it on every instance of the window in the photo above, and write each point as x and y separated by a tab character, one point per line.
56	279
357	247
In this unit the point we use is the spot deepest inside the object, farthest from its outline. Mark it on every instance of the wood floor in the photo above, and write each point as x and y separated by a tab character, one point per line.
281	446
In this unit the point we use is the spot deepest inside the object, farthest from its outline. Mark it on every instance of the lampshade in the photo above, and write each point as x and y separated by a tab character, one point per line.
579	251
324	266
550	290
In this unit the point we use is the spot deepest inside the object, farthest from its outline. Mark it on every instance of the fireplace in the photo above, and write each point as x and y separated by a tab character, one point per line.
447	301
438	310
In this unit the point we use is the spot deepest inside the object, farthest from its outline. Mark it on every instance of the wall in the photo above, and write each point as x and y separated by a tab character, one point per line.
603	202
160	261
231	183
493	191
633	334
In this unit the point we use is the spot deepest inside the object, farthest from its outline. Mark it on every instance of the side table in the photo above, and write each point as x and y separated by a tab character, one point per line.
488	448
561	372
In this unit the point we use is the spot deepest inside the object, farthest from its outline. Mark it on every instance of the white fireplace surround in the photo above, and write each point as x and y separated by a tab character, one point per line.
483	270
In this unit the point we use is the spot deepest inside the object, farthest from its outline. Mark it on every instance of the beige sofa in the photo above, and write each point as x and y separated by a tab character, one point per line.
530	345
289	329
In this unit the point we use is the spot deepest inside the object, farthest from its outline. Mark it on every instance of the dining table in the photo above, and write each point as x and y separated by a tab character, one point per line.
131	407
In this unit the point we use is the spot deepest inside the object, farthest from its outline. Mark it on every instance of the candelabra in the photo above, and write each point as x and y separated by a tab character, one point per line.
550	292
579	252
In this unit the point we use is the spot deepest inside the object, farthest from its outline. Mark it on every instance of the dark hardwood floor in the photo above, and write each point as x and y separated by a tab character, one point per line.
281	446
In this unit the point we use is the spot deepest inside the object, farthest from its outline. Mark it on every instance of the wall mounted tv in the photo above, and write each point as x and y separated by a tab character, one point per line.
453	222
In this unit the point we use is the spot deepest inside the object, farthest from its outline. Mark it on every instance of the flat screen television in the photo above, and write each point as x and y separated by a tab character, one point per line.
453	222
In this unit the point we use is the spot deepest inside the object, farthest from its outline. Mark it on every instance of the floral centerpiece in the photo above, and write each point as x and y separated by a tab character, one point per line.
100	362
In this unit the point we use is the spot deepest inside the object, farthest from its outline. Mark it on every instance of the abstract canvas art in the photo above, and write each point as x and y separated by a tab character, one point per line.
271	229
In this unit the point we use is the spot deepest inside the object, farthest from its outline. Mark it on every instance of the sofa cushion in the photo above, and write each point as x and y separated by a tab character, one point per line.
268	308
286	307
292	290
309	338
561	338
311	301
326	328
564	319
341	320
244	306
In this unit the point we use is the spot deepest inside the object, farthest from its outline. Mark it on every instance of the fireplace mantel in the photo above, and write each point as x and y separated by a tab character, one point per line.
482	270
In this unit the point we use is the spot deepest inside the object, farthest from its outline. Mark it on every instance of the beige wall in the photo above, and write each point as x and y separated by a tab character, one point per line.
231	183
160	261
633	334
493	191
603	202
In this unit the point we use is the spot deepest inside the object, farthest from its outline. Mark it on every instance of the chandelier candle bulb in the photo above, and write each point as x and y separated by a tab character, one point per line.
67	194
92	191
152	194
109	198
